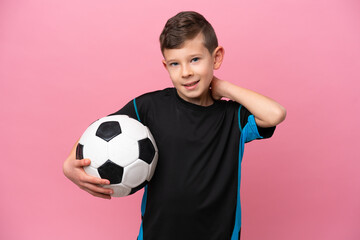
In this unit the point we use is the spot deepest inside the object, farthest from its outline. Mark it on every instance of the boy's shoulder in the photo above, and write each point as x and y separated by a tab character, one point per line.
154	100
157	93
160	98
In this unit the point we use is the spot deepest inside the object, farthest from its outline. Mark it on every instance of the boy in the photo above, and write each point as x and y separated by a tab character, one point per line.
195	192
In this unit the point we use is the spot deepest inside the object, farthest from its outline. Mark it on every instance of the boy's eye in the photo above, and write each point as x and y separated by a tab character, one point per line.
174	64
195	59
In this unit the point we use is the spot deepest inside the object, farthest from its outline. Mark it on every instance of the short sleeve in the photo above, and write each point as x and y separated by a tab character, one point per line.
247	121
128	109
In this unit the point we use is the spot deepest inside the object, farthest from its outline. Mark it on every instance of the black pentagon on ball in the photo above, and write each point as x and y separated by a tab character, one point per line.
111	171
108	130
79	151
147	150
135	189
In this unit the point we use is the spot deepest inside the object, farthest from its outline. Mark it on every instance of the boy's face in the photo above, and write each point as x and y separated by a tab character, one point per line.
191	70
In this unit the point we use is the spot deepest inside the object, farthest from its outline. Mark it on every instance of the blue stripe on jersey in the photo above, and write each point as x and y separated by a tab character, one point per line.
239	118
235	234
252	133
137	114
247	134
143	202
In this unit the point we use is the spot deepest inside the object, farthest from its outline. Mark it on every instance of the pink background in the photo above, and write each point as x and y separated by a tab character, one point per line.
66	63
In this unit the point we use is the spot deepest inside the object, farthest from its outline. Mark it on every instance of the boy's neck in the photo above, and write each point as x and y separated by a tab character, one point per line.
204	100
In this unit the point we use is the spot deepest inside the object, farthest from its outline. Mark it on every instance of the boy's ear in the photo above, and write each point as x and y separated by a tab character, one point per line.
218	56
164	63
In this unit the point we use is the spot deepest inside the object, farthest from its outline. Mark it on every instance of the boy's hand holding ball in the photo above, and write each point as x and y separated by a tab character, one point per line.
73	169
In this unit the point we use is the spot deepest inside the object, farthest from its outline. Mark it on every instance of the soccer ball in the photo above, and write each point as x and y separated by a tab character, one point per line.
122	150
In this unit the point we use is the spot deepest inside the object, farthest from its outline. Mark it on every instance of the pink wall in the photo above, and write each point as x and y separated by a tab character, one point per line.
65	63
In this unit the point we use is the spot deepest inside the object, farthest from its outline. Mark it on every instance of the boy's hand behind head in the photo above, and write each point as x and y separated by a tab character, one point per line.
218	88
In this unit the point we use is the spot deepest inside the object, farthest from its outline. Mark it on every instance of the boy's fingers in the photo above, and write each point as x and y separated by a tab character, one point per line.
97	181
105	196
82	163
88	178
98	189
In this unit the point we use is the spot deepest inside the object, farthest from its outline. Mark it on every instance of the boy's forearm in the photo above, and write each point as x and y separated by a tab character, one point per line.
266	111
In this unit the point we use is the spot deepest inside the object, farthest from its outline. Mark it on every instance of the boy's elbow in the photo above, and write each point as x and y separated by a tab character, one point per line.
274	117
279	115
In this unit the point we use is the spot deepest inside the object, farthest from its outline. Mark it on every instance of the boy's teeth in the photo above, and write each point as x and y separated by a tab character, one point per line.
191	84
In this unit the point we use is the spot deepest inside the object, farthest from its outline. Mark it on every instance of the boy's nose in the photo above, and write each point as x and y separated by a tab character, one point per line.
187	71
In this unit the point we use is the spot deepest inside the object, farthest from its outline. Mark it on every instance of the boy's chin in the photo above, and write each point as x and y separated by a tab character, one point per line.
197	97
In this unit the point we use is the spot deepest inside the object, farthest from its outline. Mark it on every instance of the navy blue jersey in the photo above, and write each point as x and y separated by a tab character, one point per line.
194	193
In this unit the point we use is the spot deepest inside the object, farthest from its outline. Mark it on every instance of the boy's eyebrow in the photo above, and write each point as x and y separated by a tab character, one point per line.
190	56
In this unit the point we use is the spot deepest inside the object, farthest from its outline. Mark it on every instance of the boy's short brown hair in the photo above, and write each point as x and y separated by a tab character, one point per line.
185	26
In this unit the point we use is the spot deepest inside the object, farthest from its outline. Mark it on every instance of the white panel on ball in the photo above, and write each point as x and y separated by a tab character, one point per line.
135	174
123	150
90	132
96	150
92	171
120	190
132	128
113	118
